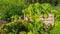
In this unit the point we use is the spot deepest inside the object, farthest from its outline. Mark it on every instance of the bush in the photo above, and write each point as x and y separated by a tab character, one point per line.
38	9
11	7
56	29
34	25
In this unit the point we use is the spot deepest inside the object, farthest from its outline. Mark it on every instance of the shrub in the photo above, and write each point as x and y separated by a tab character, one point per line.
34	25
38	9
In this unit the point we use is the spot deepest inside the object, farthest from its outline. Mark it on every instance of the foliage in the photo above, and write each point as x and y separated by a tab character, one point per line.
52	2
38	9
15	7
34	25
56	29
57	13
11	7
16	27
